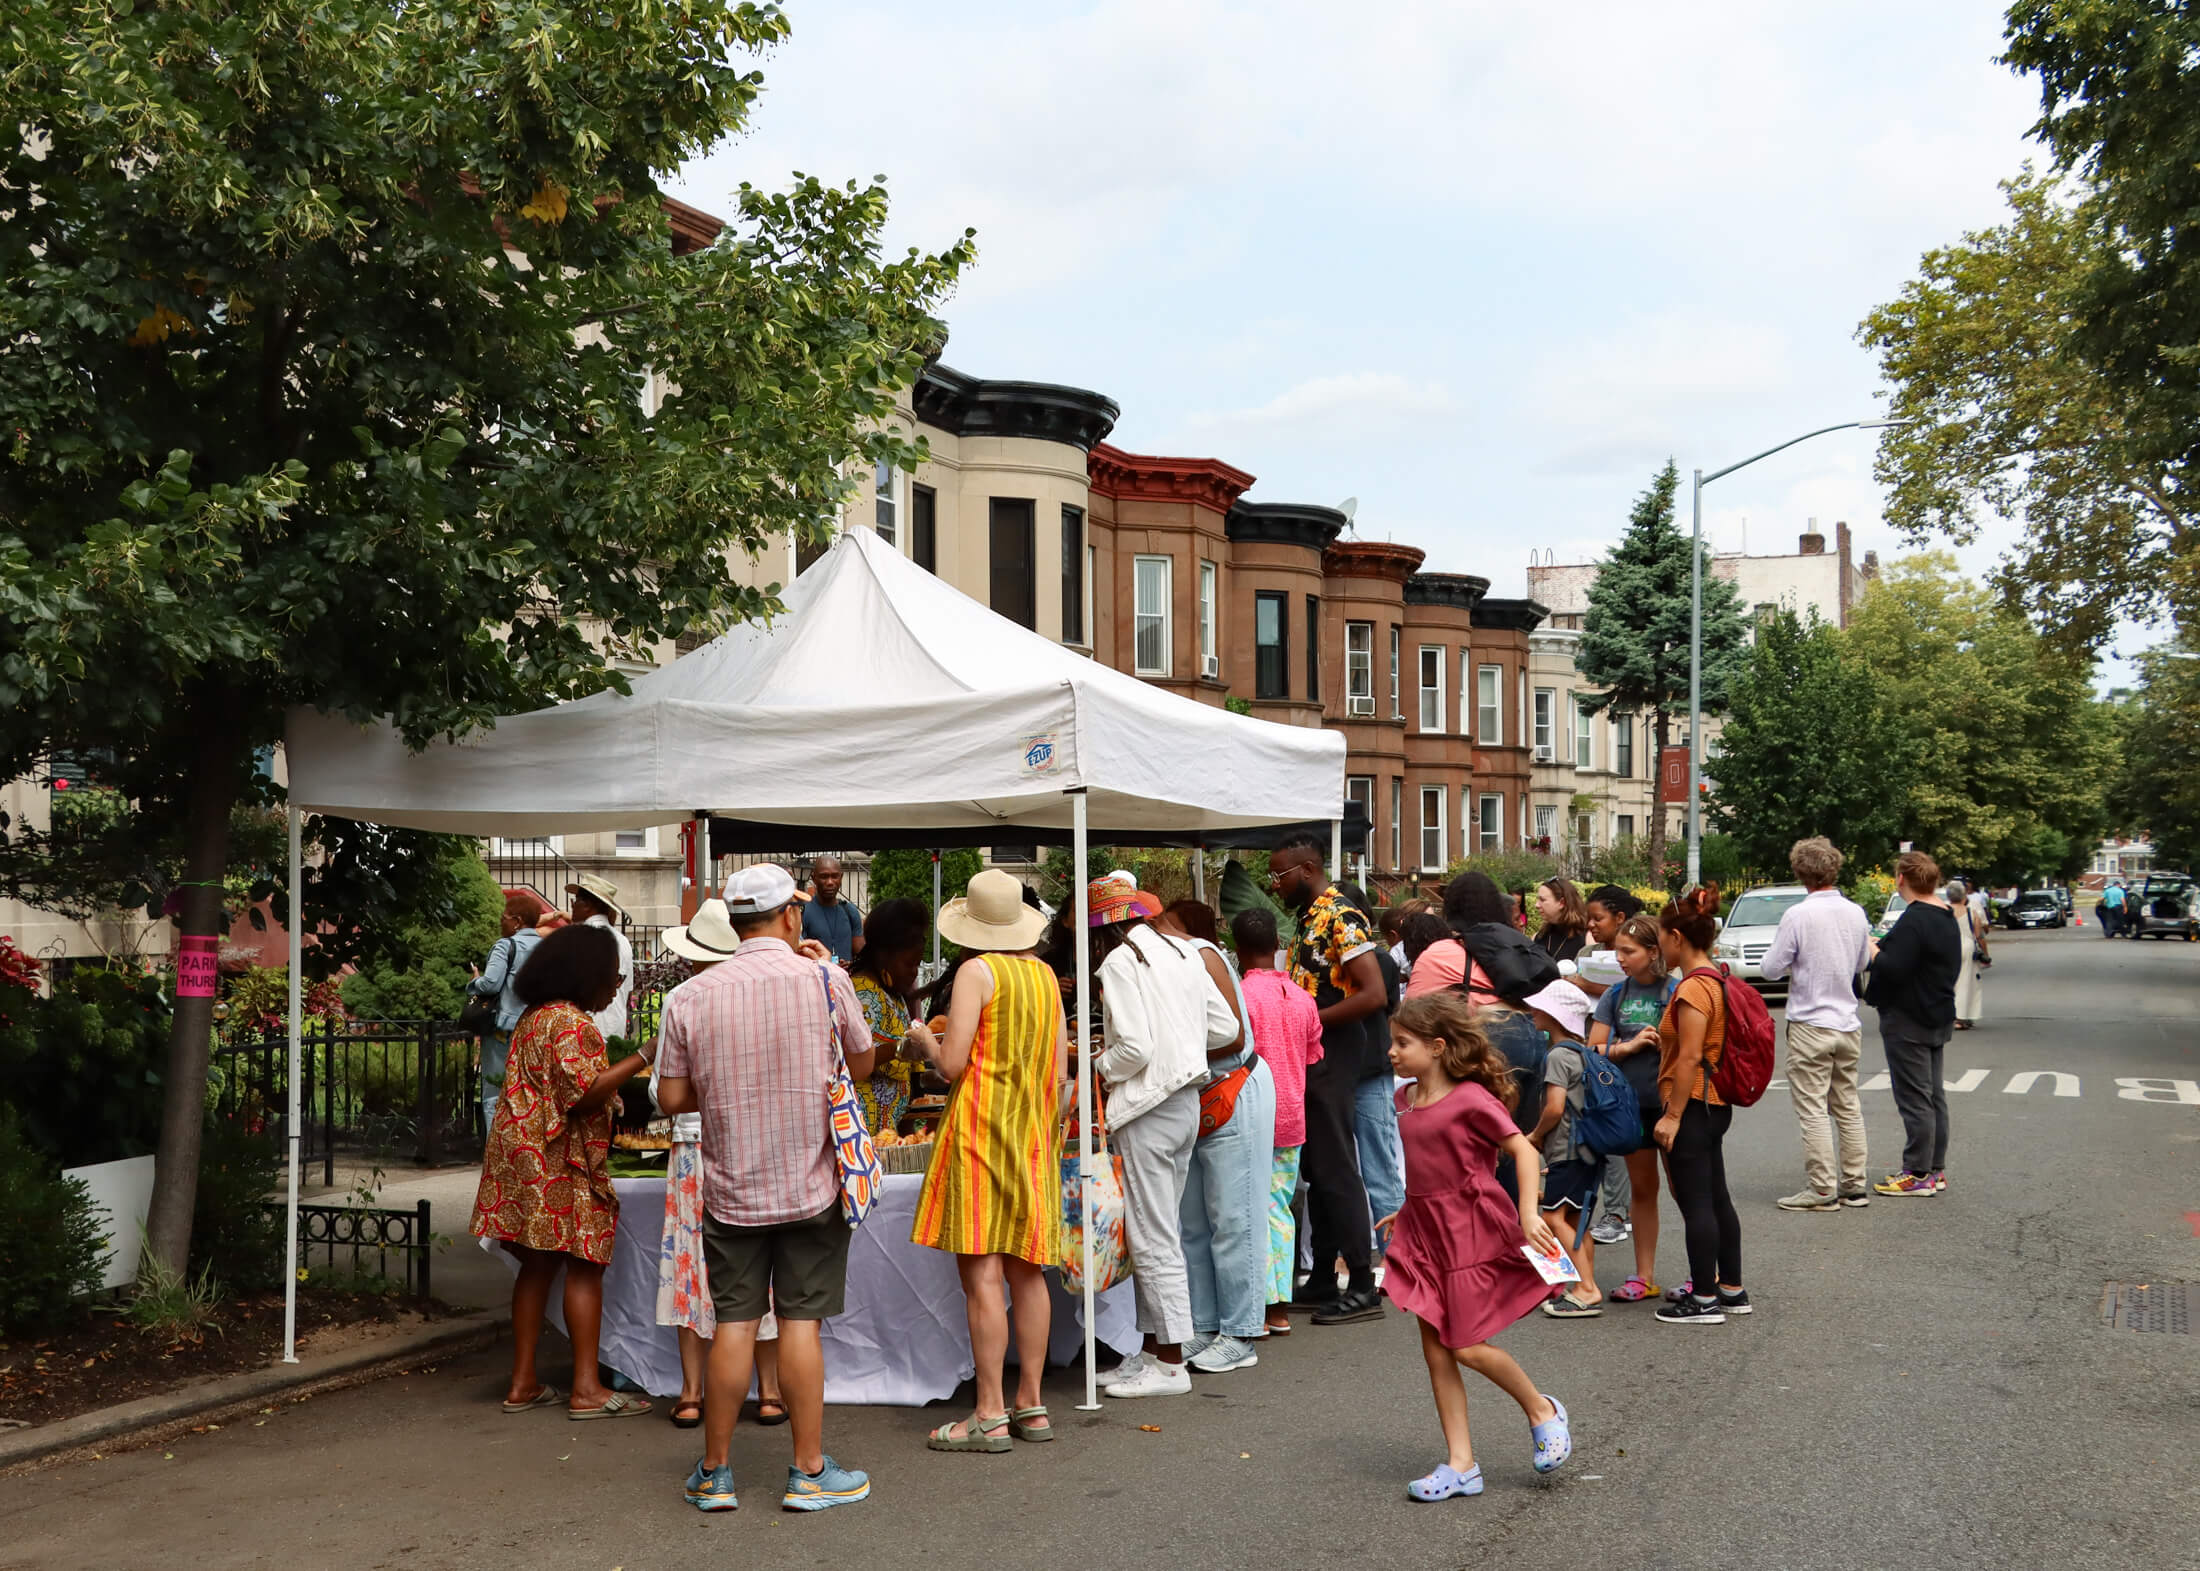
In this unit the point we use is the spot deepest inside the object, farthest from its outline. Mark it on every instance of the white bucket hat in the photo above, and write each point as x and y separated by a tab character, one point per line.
708	938
992	915
1565	1003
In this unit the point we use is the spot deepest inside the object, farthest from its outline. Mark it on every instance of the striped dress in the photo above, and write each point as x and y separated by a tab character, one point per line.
994	1186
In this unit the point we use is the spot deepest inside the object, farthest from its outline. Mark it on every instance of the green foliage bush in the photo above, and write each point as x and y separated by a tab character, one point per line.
430	981
81	1069
1515	872
49	1235
234	1234
907	875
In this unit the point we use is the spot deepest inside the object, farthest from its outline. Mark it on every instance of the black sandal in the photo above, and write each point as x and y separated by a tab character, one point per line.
770	1411
685	1407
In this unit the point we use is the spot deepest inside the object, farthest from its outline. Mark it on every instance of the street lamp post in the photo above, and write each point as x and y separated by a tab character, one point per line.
1695	631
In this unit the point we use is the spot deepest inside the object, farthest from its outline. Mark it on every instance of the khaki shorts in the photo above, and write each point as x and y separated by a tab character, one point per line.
797	1270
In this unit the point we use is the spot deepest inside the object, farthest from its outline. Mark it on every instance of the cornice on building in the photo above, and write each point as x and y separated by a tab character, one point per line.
1515	616
692	228
1461	591
1209	482
1284	523
967	405
1371	559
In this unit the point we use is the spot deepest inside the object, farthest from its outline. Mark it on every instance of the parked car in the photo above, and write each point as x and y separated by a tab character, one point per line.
2063	899
1749	928
2167	906
2033	908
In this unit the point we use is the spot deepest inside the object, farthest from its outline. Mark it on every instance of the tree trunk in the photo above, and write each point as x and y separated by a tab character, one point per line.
1657	801
216	762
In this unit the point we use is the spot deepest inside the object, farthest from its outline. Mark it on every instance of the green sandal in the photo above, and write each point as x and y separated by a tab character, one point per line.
1019	1425
980	1434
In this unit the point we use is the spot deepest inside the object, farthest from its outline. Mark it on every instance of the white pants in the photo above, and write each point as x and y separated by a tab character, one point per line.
1156	1148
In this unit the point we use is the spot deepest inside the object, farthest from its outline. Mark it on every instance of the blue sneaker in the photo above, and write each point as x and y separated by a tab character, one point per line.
1554	1439
831	1485
711	1488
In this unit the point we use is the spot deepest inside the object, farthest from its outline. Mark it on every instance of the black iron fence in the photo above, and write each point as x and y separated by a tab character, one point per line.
364	1242
402	1088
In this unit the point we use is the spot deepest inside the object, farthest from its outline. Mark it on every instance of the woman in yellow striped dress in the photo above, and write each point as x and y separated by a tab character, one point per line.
993	1194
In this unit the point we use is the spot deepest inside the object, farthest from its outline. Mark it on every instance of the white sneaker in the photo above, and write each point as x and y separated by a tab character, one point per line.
1126	1370
1224	1354
1154	1378
1199	1343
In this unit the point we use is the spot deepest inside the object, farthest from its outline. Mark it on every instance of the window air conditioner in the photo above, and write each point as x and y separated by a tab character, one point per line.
1545	754
1210	665
1360	706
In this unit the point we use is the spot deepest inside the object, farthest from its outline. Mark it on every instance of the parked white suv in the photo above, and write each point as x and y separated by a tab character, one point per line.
1749	929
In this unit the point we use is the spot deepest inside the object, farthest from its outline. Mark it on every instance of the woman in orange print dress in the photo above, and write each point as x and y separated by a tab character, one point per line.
993	1193
545	1178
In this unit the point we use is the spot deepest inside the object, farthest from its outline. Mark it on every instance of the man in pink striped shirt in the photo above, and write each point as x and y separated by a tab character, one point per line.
1287	1033
751	1045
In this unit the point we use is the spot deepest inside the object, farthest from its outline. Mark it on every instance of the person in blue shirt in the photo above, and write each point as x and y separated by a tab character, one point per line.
832	921
505	958
2112	910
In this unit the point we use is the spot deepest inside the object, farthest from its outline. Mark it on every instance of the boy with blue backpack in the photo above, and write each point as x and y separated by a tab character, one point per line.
1588	1114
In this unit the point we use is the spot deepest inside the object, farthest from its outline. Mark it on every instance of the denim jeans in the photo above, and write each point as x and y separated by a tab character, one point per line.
1156	1149
1375	1128
1224	1214
496	1047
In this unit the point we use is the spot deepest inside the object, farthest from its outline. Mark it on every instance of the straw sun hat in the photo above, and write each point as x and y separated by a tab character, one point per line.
992	915
707	939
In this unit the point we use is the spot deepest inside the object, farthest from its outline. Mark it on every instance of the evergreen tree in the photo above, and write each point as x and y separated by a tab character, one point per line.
1634	640
1811	747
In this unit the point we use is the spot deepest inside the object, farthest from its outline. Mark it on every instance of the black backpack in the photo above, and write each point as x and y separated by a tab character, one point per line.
1516	967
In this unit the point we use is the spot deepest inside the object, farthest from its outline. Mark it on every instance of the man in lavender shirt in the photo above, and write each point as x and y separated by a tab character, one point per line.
1823	942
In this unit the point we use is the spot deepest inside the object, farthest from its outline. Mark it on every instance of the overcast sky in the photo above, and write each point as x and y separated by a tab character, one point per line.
1484	266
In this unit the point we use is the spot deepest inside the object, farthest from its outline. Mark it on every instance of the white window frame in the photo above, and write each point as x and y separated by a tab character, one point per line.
1623	731
1487	838
1585	737
1623	827
1546	723
526	845
1142	618
1433	833
1361	789
648	847
887	498
1397	672
1397	823
1546	822
1489	705
1359	669
1210	622
1432	696
1092	565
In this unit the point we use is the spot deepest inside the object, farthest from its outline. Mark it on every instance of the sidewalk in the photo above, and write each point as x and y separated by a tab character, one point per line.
463	1274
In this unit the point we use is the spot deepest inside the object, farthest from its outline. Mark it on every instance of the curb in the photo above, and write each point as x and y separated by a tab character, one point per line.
150	1418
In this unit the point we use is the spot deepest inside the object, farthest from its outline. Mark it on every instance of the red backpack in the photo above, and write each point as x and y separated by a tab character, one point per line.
1744	1068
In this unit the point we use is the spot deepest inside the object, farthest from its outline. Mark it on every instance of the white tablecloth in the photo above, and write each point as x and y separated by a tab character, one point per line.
902	1340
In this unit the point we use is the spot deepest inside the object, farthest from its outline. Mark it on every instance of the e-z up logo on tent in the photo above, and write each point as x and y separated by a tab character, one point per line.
1039	755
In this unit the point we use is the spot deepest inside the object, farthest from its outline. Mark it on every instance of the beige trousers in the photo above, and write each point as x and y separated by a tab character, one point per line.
1821	1076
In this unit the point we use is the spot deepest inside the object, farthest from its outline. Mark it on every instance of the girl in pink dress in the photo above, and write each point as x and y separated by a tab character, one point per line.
1455	1259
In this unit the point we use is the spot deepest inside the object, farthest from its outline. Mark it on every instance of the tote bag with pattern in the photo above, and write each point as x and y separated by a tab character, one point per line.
1111	1242
860	1172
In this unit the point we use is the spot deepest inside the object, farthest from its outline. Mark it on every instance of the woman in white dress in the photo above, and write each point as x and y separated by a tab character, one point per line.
1970	990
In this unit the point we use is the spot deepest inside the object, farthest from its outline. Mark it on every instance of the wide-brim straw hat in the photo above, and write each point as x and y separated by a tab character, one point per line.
992	915
1117	898
601	890
708	938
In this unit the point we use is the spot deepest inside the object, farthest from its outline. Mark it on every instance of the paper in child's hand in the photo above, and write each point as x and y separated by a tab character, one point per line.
1554	1269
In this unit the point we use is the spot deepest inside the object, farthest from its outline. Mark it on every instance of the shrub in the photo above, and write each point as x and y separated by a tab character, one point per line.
82	1068
907	875
234	1235
50	1236
1515	872
431	983
1872	891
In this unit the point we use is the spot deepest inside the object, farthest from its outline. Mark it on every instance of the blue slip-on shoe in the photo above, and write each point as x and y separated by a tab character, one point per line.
1445	1482
1554	1438
711	1488
831	1485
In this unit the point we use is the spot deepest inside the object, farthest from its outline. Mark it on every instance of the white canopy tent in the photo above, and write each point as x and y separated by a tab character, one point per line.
881	703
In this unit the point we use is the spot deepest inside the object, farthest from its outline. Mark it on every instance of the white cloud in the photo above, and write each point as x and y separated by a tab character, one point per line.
1352	396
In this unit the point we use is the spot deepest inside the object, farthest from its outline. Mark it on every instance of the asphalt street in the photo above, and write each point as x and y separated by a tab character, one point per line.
1926	1383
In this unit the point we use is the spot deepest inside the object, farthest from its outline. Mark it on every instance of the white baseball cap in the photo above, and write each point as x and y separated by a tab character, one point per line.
760	890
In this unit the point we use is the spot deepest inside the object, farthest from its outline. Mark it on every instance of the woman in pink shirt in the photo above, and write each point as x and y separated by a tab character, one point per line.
1468	899
1287	1033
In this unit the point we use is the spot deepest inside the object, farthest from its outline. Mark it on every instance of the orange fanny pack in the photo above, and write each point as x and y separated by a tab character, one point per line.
1219	1100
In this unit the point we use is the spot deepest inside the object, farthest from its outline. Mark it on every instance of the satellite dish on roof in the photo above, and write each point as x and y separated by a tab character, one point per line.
1350	507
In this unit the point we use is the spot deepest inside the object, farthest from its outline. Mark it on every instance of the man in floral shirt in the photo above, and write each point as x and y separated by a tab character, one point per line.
1334	960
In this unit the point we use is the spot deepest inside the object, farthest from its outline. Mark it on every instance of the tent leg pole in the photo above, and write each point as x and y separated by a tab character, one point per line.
1199	874
1336	848
1078	863
293	1122
935	908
